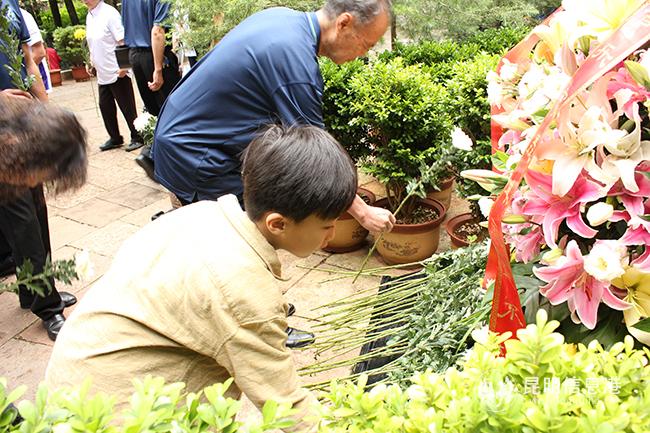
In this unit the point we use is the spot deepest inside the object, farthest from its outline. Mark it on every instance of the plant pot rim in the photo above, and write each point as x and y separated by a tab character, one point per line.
367	193
455	222
446	183
421	227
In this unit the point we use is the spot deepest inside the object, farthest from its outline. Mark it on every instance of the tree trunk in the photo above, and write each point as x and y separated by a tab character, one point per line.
74	19
56	14
393	31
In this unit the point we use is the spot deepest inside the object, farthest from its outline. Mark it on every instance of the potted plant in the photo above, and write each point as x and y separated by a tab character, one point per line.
349	234
70	43
403	111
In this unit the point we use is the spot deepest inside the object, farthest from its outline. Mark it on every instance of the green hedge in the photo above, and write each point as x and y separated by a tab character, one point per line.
541	385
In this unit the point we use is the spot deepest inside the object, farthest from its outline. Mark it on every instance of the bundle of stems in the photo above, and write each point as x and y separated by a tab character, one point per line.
425	317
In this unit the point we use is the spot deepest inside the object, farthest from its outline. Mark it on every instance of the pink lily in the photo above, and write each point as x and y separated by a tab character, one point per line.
643	261
634	92
569	282
527	239
554	209
638	229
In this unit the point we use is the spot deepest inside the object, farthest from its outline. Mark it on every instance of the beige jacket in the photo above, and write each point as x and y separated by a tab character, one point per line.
192	297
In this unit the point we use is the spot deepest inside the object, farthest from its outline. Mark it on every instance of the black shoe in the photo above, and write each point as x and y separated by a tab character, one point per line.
68	300
111	144
157	215
297	338
145	161
291	310
7	266
133	145
53	325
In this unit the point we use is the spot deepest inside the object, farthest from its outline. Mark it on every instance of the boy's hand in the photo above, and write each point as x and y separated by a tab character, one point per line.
373	219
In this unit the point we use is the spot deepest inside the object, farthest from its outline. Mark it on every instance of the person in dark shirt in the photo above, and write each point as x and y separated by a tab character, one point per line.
267	72
23	218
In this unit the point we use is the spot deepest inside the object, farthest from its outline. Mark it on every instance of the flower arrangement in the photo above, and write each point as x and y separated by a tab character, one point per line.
145	124
582	214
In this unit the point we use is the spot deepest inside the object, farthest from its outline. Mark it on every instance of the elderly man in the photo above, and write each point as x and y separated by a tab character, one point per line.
264	71
23	218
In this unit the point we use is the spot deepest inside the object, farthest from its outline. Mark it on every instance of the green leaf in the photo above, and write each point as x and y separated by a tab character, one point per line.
643	325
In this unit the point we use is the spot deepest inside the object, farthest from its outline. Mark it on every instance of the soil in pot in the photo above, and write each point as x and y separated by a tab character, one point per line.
464	229
349	235
408	243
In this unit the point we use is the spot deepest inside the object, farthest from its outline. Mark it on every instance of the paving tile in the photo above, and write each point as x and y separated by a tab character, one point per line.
107	240
142	217
295	268
64	231
133	195
24	363
111	178
96	212
13	319
99	262
70	199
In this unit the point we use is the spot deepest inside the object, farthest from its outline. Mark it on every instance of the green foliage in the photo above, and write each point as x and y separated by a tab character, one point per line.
210	20
70	45
541	385
459	19
337	107
10	47
498	40
406	118
61	270
47	22
155	407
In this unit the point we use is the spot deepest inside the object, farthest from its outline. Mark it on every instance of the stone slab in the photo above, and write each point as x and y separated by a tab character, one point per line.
96	212
142	217
24	363
73	198
63	231
133	195
107	240
13	319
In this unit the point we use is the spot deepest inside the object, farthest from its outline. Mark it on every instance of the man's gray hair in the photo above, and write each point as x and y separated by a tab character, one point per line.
364	10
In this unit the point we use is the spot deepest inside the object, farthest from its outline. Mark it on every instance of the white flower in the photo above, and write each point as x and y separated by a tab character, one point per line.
599	213
508	70
481	335
460	140
605	260
485	204
142	121
83	265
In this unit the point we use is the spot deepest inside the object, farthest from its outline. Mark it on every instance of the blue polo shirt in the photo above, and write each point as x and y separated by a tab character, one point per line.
19	29
264	71
138	18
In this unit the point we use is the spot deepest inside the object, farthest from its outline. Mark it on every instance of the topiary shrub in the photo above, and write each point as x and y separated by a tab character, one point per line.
70	44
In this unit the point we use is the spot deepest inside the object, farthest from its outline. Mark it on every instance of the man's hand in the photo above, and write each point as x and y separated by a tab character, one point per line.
373	219
16	93
122	73
91	70
157	82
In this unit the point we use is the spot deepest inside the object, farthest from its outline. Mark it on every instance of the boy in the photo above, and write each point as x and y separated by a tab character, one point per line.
193	296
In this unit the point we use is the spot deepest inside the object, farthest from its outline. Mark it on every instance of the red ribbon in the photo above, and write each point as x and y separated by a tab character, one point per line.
507	314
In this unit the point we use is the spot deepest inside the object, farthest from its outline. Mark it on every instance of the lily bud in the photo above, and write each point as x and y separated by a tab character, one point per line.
639	73
487	179
514	219
599	213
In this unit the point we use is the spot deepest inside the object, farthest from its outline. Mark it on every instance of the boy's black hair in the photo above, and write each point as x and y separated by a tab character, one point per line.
297	172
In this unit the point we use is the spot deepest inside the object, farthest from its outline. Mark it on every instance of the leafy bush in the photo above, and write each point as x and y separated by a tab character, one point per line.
406	118
70	44
47	21
541	385
337	104
500	40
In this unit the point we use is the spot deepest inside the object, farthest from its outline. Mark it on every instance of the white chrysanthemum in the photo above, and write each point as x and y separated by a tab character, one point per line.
460	140
83	265
141	121
605	260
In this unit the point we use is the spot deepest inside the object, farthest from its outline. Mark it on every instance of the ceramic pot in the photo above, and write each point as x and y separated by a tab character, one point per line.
458	241
408	243
55	77
444	195
349	235
79	73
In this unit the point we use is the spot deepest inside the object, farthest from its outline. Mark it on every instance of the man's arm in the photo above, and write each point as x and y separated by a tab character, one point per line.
37	89
158	49
373	219
38	52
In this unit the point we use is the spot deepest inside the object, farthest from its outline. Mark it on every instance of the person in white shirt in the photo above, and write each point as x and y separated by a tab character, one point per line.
104	31
37	48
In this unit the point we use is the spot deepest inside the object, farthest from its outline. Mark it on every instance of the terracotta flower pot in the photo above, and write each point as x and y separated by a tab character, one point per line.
79	73
408	243
349	235
55	77
458	239
444	195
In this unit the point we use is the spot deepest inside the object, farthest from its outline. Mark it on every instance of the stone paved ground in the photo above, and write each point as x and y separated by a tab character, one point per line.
119	199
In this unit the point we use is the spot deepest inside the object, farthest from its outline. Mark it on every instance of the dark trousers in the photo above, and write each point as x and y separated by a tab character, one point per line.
23	222
121	92
142	66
